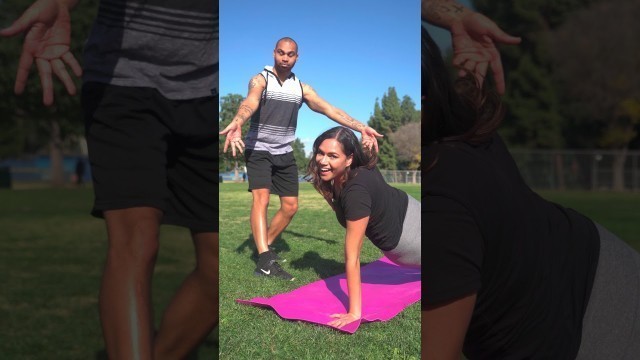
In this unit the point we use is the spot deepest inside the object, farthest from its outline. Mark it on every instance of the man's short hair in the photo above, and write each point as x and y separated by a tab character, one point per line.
288	39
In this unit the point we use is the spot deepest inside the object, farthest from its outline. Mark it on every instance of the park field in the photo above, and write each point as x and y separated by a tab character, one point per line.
313	247
52	252
51	257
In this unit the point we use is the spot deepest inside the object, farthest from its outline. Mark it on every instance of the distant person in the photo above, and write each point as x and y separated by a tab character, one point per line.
149	68
272	104
507	274
345	174
79	171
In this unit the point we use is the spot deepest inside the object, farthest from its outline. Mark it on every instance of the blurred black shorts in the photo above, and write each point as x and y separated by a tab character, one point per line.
146	150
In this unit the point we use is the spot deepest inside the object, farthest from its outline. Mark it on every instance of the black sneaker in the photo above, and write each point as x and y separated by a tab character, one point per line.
270	267
276	256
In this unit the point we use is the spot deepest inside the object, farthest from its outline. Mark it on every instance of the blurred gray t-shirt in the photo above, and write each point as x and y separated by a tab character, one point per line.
169	45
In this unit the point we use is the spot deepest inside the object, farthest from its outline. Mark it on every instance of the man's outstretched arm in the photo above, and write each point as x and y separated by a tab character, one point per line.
247	107
319	105
47	25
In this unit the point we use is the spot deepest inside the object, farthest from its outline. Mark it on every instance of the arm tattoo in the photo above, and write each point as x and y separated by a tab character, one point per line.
353	123
246	109
438	11
243	114
253	83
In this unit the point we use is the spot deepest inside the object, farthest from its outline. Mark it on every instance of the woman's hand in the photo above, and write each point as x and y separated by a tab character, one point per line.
343	319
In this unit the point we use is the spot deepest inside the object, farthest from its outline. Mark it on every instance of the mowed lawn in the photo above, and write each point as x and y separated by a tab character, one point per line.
52	252
51	257
313	247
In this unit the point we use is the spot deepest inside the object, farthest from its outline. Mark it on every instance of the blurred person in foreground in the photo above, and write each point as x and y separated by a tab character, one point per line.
149	116
507	273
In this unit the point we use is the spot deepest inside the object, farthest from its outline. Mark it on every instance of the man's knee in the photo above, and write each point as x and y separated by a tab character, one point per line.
289	207
261	197
133	235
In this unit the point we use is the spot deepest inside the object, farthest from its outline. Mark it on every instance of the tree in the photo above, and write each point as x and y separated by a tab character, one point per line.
389	114
533	102
407	144
409	112
386	151
594	67
302	161
27	125
229	105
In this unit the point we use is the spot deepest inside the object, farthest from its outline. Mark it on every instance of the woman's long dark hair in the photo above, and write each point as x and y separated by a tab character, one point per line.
454	111
362	157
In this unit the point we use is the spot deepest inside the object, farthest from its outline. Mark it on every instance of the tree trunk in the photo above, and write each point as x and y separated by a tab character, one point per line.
619	158
236	176
55	155
560	183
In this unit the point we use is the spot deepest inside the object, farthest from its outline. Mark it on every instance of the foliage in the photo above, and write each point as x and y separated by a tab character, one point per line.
594	71
229	105
407	144
302	161
26	123
389	114
533	101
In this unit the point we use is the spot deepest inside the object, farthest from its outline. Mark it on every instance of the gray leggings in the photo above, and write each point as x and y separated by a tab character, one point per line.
611	324
408	250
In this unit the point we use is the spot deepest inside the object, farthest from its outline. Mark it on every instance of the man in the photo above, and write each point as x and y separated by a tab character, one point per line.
148	116
274	97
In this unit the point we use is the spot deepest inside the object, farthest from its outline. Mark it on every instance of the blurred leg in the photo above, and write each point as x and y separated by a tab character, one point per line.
193	311
125	293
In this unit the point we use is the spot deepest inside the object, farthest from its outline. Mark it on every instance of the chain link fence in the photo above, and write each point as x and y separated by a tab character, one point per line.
402	176
580	169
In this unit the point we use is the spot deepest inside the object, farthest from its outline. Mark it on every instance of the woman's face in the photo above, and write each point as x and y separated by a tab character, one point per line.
331	160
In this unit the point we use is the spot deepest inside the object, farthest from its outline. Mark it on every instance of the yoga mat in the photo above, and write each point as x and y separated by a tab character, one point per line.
386	290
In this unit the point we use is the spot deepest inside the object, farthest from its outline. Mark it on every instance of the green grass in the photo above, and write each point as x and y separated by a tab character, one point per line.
52	252
618	212
313	246
51	257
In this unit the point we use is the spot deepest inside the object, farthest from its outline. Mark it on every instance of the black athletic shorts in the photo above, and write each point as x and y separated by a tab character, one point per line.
278	173
147	150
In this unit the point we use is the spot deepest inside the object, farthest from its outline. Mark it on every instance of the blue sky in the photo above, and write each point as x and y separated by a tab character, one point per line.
351	51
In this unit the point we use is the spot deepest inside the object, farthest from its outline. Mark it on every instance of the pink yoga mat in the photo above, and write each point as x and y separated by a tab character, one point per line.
386	290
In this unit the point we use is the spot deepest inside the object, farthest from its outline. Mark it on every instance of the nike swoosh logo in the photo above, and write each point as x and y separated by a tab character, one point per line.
266	272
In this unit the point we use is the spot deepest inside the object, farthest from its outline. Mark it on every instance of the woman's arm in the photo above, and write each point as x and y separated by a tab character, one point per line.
444	327
352	246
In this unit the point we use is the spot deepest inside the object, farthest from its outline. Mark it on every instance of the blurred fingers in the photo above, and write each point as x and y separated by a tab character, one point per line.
44	70
70	60
61	72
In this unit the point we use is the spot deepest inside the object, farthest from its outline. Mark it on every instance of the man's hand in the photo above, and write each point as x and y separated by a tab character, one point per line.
234	138
48	37
474	48
369	138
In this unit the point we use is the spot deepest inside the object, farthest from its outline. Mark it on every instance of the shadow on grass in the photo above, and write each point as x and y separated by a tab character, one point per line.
323	267
279	244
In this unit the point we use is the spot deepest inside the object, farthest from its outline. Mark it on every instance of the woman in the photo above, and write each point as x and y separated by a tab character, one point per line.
346	176
509	275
